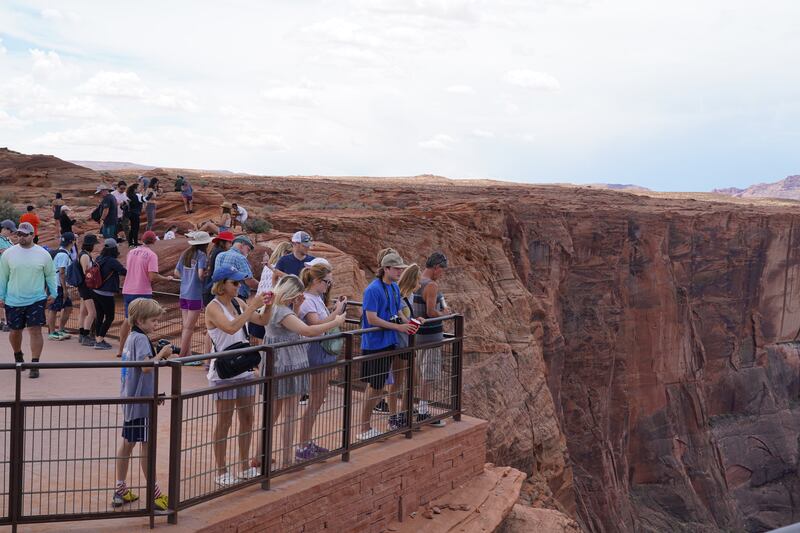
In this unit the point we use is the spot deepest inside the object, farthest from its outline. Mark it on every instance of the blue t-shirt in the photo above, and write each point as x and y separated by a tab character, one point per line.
191	284
384	300
289	264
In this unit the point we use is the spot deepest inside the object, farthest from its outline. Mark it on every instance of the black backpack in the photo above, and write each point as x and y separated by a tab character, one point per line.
97	213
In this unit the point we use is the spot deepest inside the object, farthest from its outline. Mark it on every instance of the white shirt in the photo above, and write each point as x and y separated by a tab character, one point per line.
169	235
242	216
265	283
121	198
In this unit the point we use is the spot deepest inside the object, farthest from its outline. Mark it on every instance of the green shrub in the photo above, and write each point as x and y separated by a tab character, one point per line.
257	225
8	211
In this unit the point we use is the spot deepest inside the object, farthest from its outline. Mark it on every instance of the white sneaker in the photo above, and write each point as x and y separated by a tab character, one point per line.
226	480
370	434
250	473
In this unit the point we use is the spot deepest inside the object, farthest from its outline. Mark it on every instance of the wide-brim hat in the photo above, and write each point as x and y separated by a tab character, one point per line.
199	237
225	204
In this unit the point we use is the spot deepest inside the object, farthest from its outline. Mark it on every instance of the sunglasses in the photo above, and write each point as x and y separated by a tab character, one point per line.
233	282
23	234
327	282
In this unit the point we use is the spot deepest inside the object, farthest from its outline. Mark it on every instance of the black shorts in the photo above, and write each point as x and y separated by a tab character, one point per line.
26	316
256	330
61	301
135	430
375	372
85	292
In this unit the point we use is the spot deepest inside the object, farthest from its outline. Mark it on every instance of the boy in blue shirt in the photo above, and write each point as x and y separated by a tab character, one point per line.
63	302
381	308
143	316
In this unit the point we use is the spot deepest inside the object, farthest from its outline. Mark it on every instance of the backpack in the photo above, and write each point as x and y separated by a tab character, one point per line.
74	274
54	253
179	184
98	212
93	279
57	212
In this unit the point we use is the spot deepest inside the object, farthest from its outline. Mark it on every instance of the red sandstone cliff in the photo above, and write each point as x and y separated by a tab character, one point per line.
634	355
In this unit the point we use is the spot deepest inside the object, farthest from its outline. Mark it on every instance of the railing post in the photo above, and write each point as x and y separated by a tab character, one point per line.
412	341
16	453
347	417
176	429
152	437
458	365
267	410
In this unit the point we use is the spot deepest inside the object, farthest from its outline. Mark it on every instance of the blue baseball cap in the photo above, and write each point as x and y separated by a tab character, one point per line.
228	272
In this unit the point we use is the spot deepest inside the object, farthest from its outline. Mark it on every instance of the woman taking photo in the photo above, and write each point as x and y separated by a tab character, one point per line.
224	224
269	261
87	312
284	325
226	320
314	311
135	202
191	270
151	193
104	297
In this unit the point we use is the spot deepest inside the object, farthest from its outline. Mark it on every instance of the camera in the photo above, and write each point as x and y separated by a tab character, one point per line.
396	319
165	342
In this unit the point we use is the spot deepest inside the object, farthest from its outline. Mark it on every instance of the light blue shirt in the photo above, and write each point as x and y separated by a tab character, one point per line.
24	272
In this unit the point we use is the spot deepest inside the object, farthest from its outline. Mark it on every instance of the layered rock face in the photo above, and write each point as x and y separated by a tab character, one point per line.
634	356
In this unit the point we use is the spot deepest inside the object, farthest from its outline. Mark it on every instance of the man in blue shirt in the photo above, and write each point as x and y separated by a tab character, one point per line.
294	262
63	303
236	258
381	308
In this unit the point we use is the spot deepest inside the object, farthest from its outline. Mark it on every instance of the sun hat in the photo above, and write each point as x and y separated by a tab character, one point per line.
9	225
225	204
25	227
318	261
199	237
224	236
227	272
110	243
103	187
244	239
302	237
393	260
149	237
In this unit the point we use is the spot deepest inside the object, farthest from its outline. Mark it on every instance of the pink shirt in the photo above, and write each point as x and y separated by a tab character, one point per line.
140	262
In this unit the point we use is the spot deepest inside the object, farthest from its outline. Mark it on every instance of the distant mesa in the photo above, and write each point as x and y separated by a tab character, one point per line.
619	187
787	188
101	166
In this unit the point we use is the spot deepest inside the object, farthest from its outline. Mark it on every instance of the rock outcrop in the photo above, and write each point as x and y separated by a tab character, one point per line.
635	356
787	188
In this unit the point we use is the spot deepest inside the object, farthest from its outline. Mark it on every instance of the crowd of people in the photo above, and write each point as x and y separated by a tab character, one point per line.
288	301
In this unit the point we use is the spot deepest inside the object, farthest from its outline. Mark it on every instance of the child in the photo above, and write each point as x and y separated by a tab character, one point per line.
170	234
143	316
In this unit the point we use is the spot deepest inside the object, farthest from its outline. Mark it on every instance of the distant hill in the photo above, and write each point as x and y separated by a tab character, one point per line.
787	188
619	187
112	165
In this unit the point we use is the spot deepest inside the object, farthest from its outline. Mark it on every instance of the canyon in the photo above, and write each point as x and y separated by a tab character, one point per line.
635	355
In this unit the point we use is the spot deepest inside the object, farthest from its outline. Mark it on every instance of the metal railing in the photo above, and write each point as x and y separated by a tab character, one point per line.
58	455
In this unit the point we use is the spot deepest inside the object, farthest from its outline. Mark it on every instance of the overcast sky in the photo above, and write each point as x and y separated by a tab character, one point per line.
679	95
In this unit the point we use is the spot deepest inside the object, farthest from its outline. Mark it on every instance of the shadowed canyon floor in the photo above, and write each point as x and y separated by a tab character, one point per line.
634	354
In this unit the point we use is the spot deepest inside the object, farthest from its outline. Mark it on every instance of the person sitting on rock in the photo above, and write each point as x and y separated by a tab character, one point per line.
238	216
213	227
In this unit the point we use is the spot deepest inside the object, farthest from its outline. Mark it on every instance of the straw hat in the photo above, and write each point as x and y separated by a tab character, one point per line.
226	204
199	237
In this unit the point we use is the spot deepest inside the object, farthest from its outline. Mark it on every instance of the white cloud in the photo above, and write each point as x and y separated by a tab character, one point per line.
342	31
3	49
75	107
483	134
460	89
173	99
49	64
107	83
49	13
297	96
266	141
529	79
9	122
21	90
97	135
460	10
440	141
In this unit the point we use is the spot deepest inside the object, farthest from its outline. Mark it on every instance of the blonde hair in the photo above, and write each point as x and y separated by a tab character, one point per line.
142	309
288	288
280	250
218	287
409	279
313	273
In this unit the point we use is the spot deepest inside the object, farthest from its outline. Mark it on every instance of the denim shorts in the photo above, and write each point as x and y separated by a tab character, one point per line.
233	394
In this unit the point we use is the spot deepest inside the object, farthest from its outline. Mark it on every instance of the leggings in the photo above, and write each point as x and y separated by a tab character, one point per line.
150	209
105	313
133	233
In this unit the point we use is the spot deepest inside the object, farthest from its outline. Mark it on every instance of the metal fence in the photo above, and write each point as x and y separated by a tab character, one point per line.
58	455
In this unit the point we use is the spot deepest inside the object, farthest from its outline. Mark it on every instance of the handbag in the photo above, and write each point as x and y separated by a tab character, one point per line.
333	346
232	366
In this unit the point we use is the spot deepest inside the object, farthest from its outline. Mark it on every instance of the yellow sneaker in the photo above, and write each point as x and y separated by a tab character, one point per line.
121	499
161	502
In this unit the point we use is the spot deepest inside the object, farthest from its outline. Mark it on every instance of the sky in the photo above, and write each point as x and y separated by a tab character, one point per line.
674	96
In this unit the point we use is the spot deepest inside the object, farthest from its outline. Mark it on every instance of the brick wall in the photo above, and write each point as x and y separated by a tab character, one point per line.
382	482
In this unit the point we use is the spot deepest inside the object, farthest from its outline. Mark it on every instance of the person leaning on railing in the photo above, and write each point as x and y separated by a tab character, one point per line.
226	320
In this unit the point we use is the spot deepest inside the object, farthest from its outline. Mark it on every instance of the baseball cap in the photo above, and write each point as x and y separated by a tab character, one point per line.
302	237
227	272
393	260
110	243
223	236
103	187
25	227
67	236
318	261
149	237
436	259
8	224
244	239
